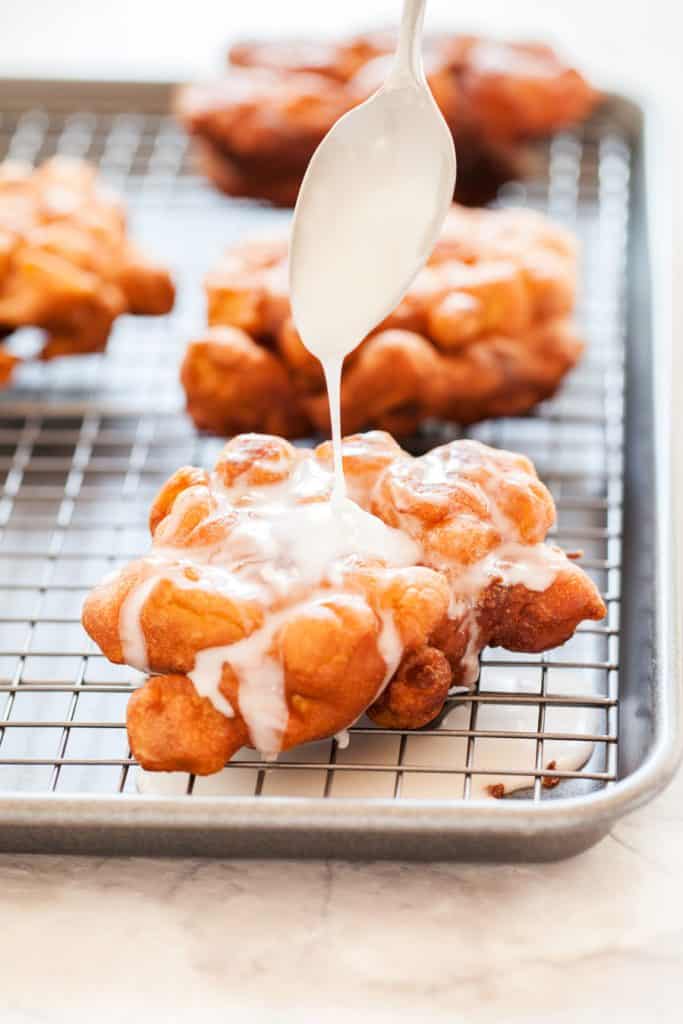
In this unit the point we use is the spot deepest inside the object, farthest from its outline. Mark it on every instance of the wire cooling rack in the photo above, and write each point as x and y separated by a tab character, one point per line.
86	442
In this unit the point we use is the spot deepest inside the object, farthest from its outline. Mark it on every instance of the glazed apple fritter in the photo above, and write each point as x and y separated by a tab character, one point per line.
485	330
270	617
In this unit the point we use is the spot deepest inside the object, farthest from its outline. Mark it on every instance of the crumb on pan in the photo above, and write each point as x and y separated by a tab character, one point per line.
550	781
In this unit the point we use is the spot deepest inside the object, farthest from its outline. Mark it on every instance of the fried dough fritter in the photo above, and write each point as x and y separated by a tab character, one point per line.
67	265
485	330
267	624
257	127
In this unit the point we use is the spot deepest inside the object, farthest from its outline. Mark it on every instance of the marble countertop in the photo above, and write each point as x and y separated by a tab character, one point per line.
181	940
160	940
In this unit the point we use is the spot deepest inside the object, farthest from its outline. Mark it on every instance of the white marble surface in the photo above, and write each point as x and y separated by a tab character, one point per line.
112	940
280	941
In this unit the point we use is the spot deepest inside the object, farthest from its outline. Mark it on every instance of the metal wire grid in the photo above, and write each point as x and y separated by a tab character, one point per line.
85	444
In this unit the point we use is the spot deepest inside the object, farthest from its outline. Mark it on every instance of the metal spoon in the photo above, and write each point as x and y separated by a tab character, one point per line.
371	204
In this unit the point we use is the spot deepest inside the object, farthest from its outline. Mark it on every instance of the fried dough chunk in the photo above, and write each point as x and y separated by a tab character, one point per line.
172	728
269	618
256	128
416	693
67	265
233	384
485	330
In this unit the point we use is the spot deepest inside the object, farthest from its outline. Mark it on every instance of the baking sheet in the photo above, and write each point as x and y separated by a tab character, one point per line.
86	443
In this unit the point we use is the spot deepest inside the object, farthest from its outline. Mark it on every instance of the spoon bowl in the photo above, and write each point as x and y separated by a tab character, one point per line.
371	205
389	165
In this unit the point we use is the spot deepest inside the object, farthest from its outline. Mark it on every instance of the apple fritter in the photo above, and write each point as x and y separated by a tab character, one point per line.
485	330
67	264
256	127
268	614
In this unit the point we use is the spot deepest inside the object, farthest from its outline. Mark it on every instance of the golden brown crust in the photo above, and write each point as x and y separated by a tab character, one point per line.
462	504
520	619
177	621
485	330
66	263
235	179
258	126
234	384
172	729
417	692
182	480
8	362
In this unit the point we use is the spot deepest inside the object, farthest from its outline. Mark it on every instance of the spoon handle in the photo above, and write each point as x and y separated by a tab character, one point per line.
408	58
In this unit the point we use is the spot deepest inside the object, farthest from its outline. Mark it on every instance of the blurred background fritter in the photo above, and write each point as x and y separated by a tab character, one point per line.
256	128
67	265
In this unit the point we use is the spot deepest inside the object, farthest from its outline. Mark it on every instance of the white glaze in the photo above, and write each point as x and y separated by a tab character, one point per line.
470	657
131	633
534	566
261	693
390	647
343	739
368	214
519	755
262	701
